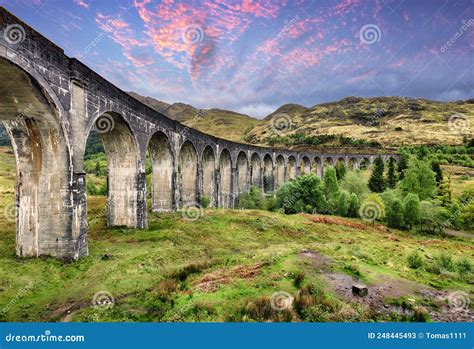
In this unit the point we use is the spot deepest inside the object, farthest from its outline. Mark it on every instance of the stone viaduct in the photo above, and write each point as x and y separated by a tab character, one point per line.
49	103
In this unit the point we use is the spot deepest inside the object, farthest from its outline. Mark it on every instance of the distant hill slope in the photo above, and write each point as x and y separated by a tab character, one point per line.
362	122
217	122
391	121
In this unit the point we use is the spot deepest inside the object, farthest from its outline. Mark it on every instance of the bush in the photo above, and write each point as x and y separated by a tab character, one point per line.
299	278
304	194
343	203
411	210
204	201
445	262
354	206
253	200
464	267
415	260
395	214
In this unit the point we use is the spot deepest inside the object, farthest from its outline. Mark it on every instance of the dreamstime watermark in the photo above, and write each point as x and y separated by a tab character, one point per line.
458	34
192	211
21	293
281	123
370	211
289	25
281	300
9	211
458	300
104	124
370	34
46	337
192	34
458	123
14	34
103	300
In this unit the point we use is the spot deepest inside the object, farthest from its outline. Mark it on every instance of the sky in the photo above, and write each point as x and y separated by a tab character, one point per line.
254	56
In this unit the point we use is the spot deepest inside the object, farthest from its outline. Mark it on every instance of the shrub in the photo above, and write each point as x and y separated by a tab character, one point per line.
464	267
343	203
304	194
299	278
395	214
253	200
414	260
411	210
354	206
445	262
204	201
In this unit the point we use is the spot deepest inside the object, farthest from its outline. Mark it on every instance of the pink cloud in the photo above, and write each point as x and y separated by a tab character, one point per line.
81	3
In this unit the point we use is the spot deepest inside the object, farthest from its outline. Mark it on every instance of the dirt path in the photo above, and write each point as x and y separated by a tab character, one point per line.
389	288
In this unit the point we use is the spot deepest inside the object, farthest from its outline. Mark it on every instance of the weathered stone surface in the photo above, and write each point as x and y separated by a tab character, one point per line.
360	290
51	102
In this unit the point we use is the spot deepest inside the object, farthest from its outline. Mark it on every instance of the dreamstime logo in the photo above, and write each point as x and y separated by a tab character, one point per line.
465	26
103	300
458	123
281	301
370	34
192	211
193	34
281	123
104	124
14	34
458	300
10	212
370	211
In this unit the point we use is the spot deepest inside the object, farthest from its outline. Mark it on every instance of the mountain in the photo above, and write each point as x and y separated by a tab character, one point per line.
217	122
352	122
388	121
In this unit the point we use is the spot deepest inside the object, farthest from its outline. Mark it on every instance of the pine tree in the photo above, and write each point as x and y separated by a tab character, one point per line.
439	173
411	210
97	169
402	166
391	174
444	192
376	181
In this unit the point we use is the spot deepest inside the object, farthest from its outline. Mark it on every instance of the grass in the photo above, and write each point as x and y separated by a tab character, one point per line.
207	270
225	266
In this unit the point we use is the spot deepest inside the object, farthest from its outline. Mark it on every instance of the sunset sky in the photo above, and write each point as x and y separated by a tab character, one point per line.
253	56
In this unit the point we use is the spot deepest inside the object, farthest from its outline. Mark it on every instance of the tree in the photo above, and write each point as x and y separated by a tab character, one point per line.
372	208
97	171
433	217
419	179
331	189
395	214
354	206
353	182
439	173
411	209
444	192
391	174
402	166
376	181
343	203
304	194
340	170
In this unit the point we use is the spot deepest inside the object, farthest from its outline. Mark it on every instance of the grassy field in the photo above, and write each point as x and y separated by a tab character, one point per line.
235	266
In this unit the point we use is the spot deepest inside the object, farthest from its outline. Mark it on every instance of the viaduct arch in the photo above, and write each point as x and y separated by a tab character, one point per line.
49	104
